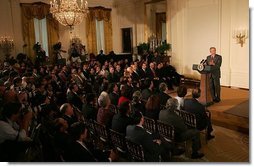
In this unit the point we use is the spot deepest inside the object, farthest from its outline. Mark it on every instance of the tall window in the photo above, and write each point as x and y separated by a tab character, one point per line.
100	35
41	35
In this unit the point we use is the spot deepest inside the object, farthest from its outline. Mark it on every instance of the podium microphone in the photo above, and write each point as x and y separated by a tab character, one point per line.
202	61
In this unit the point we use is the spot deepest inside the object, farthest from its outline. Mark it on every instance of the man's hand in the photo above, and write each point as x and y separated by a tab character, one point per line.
113	155
158	141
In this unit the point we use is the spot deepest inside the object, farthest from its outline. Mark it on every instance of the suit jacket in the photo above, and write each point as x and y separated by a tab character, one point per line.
135	76
120	123
140	136
77	153
173	119
163	98
142	74
89	111
216	73
193	106
74	99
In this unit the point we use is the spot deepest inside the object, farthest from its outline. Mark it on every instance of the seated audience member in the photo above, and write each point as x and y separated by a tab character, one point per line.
80	151
13	131
89	110
148	91
195	107
181	93
153	107
182	133
122	119
105	112
113	93
112	77
136	104
62	139
68	114
163	94
73	97
153	147
125	95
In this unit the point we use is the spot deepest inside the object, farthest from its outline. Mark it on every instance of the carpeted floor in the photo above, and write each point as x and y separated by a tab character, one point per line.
240	110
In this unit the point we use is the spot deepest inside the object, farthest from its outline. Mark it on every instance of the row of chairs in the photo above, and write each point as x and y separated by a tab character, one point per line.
125	146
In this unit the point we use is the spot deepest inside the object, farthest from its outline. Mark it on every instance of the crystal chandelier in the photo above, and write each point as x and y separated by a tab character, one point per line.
69	12
6	45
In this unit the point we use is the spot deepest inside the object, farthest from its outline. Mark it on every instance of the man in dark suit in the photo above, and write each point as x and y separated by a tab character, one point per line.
153	147
73	97
68	114
182	133
80	151
142	72
215	60
114	93
193	106
163	95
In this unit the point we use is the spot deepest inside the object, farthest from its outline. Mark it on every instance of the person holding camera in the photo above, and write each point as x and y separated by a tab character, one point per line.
13	131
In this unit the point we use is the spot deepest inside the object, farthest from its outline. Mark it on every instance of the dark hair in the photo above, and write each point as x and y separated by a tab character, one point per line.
16	80
77	129
111	87
124	107
71	86
163	86
11	108
153	102
196	93
147	83
181	91
137	117
90	97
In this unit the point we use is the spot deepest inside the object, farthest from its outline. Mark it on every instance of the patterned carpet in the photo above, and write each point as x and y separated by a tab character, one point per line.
227	146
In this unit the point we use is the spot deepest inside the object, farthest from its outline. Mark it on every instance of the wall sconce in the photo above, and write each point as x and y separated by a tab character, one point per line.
240	35
6	45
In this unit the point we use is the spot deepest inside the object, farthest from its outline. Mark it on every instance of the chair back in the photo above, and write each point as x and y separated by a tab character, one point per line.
149	125
167	131
189	119
101	131
135	151
118	140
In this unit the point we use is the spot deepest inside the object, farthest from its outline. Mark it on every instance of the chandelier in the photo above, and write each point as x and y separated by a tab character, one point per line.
6	45
69	12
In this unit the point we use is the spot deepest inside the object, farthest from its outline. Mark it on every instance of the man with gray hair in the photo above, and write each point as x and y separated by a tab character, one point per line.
182	133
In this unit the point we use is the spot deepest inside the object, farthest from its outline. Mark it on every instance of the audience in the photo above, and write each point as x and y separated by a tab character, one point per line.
53	98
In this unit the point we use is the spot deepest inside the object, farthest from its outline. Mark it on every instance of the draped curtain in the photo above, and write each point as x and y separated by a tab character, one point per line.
39	11
99	13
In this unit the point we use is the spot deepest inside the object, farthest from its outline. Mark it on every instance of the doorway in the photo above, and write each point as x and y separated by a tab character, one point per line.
127	40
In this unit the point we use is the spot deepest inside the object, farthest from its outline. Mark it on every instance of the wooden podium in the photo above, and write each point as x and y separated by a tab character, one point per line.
204	70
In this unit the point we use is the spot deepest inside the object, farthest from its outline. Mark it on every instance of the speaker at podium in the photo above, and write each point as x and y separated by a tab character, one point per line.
205	71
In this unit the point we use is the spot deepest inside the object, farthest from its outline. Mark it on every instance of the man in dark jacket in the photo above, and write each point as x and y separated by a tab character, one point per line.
153	147
182	133
193	106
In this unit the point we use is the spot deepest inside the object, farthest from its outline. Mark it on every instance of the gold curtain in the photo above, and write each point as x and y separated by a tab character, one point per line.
99	13
39	11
